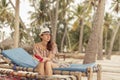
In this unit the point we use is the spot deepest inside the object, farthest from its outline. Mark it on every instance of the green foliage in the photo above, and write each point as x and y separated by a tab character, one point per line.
74	36
6	14
36	36
40	15
86	35
4	4
116	6
59	36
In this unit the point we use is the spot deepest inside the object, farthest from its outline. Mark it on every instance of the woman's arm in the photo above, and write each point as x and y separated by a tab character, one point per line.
38	56
53	52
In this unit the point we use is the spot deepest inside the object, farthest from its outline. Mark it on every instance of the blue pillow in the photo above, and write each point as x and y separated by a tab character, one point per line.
20	57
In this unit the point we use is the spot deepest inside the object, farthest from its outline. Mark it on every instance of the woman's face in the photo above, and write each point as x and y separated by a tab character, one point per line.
45	37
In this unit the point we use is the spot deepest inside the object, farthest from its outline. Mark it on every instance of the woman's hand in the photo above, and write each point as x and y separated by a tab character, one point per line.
46	59
51	56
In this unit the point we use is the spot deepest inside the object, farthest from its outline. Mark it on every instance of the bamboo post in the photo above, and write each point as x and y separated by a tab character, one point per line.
99	72
90	73
78	75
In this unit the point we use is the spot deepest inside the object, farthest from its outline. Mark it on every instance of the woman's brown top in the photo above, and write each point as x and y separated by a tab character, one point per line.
43	52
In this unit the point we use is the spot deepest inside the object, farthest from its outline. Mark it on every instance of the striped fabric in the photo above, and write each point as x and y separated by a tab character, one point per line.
42	51
39	50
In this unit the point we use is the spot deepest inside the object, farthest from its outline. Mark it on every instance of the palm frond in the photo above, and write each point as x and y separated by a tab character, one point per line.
75	25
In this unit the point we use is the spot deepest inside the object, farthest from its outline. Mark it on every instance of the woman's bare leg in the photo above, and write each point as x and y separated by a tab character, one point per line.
48	68
40	68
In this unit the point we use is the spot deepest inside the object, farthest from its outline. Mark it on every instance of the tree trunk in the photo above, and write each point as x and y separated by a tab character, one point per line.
81	36
69	42
63	38
23	25
16	37
93	43
3	35
100	42
0	35
112	42
100	39
106	35
119	42
54	19
100	49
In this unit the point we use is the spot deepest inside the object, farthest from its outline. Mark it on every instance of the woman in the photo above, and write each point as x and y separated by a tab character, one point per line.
45	52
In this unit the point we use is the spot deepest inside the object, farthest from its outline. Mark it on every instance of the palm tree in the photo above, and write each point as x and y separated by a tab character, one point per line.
96	34
64	19
116	8
112	40
54	19
47	12
6	15
23	26
16	37
108	20
64	36
83	12
40	15
119	42
6	18
80	19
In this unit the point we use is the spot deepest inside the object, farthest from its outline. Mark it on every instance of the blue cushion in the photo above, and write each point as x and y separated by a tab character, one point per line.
77	67
20	57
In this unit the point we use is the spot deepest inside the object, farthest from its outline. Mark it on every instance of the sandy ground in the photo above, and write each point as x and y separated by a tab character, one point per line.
110	68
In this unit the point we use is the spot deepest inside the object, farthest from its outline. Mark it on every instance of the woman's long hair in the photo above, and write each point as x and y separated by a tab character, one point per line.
50	44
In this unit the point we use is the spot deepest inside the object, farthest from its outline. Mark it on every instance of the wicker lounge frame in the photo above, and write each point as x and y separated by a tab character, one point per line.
78	74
